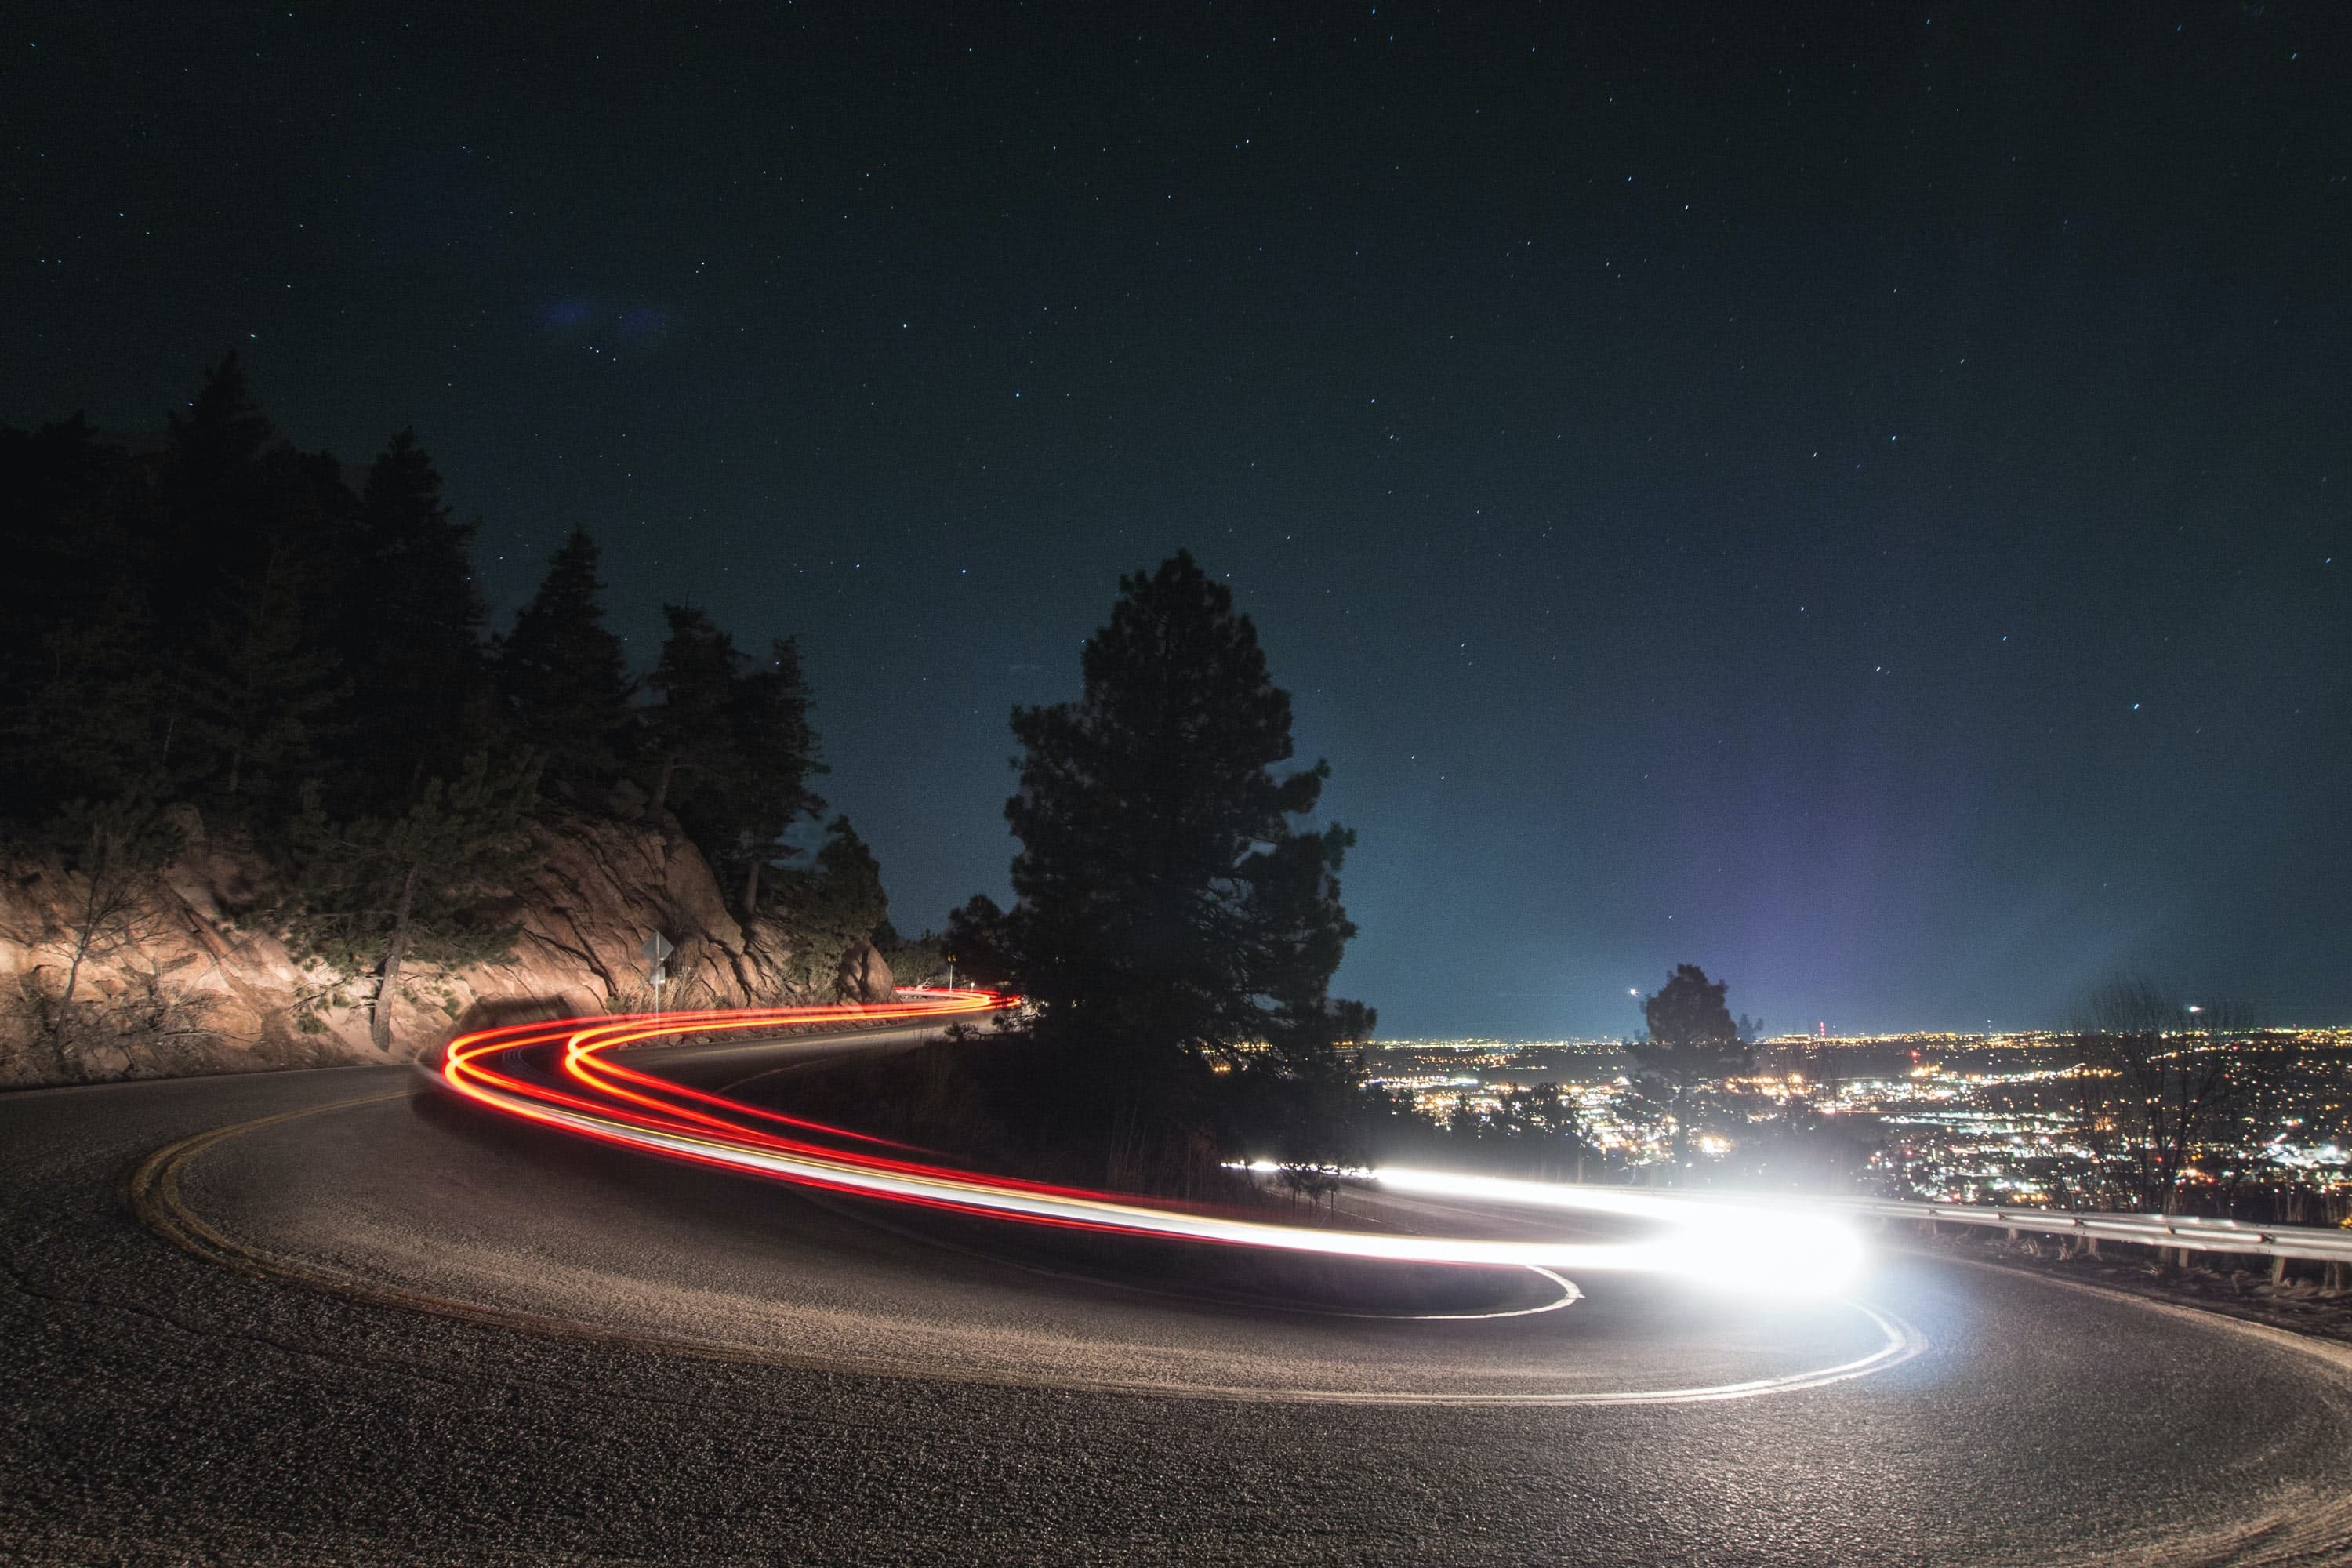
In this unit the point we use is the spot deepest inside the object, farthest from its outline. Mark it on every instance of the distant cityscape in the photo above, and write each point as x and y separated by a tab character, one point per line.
2007	1117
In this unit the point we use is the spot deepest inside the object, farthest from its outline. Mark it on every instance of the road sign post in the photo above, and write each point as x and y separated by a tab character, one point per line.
656	948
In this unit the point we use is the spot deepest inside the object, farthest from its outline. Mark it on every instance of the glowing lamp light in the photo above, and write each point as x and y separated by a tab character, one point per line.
1783	1253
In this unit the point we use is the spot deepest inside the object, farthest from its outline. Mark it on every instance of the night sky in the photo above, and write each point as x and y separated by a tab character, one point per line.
1858	499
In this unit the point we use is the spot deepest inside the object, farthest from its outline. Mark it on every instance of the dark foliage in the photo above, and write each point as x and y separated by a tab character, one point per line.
919	960
979	942
1692	1041
1006	1103
227	623
409	629
262	695
777	754
86	710
730	748
380	892
78	695
1538	1131
832	904
1171	919
563	678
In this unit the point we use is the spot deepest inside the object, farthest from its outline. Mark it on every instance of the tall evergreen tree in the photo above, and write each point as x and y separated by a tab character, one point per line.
1166	907
730	747
248	549
76	654
563	675
194	623
690	737
88	714
410	626
262	691
154	587
218	439
217	508
60	532
779	752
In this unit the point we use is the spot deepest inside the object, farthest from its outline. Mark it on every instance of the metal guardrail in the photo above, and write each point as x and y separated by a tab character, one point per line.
2186	1232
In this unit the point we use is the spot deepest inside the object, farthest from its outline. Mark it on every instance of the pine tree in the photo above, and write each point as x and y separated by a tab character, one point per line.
691	735
247	556
81	672
217	510
60	495
779	752
563	678
410	626
88	716
730	746
1166	907
80	668
262	691
218	441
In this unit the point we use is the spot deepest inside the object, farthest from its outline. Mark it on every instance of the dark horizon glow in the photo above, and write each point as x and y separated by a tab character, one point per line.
1855	501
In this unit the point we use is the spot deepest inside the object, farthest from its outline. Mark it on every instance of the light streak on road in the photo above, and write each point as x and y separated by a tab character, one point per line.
559	1074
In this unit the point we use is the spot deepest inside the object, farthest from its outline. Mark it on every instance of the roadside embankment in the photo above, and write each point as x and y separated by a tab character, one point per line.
199	977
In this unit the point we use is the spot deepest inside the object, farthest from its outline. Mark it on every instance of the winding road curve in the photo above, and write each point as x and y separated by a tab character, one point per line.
401	1329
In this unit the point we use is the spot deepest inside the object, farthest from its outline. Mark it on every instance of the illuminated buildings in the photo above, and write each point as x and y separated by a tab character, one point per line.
2013	1118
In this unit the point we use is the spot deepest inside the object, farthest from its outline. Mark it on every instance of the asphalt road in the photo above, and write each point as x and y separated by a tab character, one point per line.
453	1341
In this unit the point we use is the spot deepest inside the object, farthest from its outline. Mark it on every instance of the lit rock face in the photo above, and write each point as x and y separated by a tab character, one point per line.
197	978
862	976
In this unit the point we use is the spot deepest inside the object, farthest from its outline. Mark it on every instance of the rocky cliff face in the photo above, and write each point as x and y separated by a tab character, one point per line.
194	979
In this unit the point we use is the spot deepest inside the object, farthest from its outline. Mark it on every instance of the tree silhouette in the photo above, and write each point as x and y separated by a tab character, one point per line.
979	942
731	746
212	478
1692	1040
217	508
64	535
409	626
1167	909
2170	1076
690	736
777	752
262	689
563	678
226	622
87	717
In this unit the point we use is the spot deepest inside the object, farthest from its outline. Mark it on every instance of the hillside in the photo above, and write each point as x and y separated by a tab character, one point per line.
200	977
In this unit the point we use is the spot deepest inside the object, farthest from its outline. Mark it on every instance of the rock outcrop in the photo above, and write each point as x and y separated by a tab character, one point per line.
862	976
198	979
